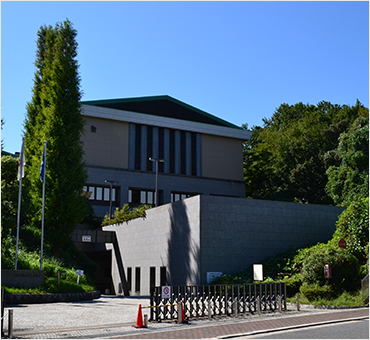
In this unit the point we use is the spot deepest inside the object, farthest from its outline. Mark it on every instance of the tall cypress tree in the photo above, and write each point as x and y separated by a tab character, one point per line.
54	114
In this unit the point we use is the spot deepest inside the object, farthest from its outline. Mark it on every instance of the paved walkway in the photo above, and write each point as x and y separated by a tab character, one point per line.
113	317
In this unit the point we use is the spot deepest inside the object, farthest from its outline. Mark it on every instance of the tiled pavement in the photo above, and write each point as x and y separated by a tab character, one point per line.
230	330
113	317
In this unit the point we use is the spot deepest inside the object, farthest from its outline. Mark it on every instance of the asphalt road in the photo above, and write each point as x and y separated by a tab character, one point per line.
358	329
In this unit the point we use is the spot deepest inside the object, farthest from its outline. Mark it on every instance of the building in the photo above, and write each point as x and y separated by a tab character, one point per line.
204	225
198	152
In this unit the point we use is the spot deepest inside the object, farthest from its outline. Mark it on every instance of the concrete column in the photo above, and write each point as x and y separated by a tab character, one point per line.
177	152
166	151
131	148
199	154
144	155
155	145
188	153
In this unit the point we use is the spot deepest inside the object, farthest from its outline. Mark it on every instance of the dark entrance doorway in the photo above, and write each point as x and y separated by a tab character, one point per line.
104	281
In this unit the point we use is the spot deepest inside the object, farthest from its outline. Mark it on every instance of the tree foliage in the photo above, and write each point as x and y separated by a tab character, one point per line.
285	159
348	177
353	226
54	115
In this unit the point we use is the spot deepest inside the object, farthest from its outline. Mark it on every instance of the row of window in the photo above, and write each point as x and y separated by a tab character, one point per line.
101	194
152	277
180	149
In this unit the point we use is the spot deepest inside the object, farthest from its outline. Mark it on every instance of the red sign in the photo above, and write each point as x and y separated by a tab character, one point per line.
342	243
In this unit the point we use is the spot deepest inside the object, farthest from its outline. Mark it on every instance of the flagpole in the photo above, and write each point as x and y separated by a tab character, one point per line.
43	165
20	176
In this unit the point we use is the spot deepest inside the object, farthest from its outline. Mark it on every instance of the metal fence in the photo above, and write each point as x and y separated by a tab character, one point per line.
213	300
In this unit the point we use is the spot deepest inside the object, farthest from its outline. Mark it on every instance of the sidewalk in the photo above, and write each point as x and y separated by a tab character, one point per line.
113	317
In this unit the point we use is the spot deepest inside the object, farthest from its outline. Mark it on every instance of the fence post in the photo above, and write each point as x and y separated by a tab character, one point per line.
209	310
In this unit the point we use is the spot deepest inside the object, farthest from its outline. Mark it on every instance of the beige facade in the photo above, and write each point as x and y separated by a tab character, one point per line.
106	142
222	157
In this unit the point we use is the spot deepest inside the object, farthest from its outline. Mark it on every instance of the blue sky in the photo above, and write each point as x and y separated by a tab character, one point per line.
236	60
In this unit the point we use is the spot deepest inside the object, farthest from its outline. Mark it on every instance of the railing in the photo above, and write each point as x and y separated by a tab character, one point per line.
213	300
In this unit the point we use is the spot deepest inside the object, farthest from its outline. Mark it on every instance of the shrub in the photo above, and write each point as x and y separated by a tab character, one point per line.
314	292
293	284
344	265
353	226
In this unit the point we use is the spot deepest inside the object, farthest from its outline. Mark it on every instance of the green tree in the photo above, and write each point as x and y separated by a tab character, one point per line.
353	226
54	114
284	160
348	178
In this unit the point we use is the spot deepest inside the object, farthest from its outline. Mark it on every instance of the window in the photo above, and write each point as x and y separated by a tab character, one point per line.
100	194
137	279
178	196
163	278
143	196
152	277
129	278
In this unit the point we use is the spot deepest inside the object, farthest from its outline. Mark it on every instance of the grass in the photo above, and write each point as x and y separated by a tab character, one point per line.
28	260
345	299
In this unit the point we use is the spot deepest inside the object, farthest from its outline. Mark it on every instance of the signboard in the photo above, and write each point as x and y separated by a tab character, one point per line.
257	272
212	275
342	243
166	292
79	272
327	271
86	238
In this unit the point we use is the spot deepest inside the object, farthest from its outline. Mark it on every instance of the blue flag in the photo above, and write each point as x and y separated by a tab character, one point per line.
43	164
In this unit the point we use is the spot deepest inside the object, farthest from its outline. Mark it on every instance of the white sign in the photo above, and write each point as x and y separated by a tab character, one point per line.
79	272
166	292
212	275
257	272
86	238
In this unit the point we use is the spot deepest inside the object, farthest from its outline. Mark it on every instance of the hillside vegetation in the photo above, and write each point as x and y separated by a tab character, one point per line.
339	170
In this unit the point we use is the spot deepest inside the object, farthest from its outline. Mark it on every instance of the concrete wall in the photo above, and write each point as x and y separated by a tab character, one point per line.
236	233
167	237
215	234
222	157
108	144
22	278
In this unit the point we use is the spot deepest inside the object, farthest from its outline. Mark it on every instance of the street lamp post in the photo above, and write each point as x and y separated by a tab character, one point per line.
110	196
156	160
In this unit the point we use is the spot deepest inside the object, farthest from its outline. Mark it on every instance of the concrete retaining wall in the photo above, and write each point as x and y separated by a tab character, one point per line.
16	299
204	234
22	278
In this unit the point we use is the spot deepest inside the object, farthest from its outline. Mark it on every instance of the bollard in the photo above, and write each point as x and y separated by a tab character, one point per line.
179	313
145	320
10	325
297	298
279	304
258	306
235	307
209	311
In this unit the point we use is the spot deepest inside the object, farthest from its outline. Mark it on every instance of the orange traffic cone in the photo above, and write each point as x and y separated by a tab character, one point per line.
139	320
182	318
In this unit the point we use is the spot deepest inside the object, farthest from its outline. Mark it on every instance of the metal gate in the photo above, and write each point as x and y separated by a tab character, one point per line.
201	301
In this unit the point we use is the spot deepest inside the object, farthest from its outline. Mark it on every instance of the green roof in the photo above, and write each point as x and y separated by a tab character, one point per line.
164	106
